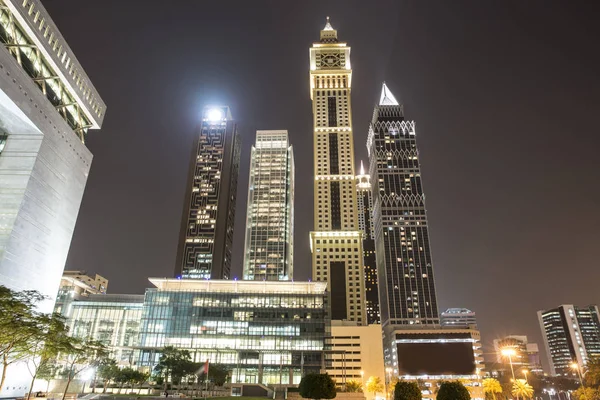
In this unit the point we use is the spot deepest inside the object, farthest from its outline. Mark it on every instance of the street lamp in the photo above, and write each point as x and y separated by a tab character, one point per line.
525	372
509	352
575	366
362	378
388	381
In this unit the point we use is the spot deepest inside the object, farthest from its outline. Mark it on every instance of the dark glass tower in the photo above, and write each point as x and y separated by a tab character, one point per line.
404	266
364	199
206	239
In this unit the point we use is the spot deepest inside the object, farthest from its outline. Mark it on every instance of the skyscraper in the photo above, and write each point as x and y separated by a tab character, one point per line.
571	335
336	242
269	246
404	266
365	224
206	239
47	105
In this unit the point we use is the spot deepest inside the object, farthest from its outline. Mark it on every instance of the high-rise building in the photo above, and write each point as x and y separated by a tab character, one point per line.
365	224
404	265
47	105
571	335
458	318
336	242
269	246
206	239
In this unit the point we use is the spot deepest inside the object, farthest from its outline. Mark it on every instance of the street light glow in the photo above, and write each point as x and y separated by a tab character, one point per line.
508	351
575	366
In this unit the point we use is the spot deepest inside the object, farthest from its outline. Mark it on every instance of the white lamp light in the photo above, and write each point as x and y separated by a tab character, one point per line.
214	114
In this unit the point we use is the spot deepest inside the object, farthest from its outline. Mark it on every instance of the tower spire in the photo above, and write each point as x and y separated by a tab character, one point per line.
362	168
387	98
328	26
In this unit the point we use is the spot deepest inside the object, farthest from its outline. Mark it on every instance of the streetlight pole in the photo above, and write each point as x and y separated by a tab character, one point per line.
575	366
525	373
388	381
509	352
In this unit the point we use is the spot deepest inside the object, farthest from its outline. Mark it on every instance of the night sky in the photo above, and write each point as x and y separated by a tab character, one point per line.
505	96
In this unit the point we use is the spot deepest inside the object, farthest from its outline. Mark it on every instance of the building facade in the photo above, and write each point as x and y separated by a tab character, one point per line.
262	331
47	106
364	198
571	335
336	242
76	285
432	354
206	238
113	320
355	353
404	265
268	253
458	318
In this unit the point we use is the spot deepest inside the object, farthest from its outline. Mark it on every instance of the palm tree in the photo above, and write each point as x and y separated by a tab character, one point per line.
491	386
522	389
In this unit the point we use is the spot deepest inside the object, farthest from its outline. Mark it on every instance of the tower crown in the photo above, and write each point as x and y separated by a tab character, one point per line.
387	98
328	34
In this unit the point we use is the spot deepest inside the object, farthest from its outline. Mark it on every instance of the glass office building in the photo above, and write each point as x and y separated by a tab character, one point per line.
263	332
113	320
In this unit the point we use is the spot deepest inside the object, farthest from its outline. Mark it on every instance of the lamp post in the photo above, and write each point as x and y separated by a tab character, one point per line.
525	372
362	378
388	381
509	352
575	366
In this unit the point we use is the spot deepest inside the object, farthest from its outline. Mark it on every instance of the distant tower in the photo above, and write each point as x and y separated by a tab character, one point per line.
406	286
269	220
336	242
571	335
365	224
206	240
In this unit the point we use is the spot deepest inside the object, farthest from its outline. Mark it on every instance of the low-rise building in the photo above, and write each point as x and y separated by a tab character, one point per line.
458	318
433	353
355	353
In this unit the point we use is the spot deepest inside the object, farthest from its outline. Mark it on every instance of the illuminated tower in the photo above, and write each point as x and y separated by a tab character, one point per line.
406	287
365	224
269	220
206	239
336	242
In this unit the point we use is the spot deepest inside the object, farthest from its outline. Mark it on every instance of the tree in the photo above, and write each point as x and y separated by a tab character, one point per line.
173	364
217	374
586	393
51	339
592	372
81	354
47	371
107	371
374	385
453	391
491	386
407	391
18	325
522	389
317	386
353	386
140	378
